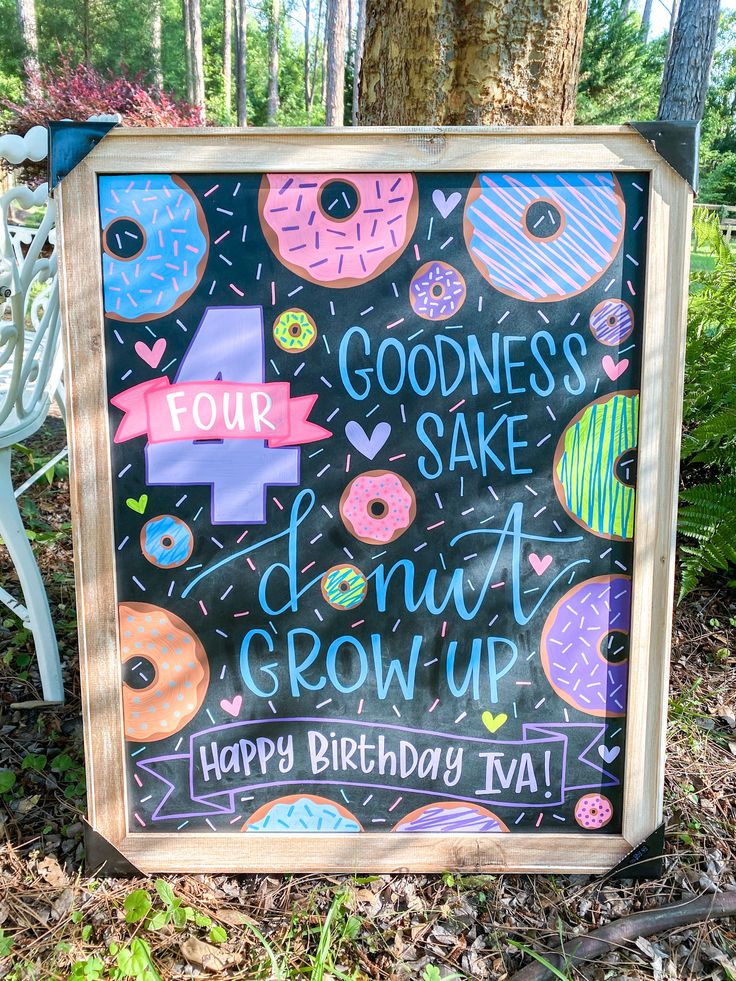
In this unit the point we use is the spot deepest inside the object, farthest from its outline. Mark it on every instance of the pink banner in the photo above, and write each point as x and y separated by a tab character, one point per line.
216	410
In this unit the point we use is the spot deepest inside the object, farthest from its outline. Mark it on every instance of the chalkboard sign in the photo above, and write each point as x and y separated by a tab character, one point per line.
375	443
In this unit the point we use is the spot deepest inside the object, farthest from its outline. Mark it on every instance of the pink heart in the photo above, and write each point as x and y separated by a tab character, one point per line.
612	369
151	355
540	565
233	707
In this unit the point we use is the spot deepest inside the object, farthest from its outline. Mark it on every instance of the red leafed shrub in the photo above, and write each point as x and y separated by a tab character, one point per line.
77	92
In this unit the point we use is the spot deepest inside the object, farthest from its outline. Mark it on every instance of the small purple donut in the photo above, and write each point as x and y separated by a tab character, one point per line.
587	626
612	321
437	291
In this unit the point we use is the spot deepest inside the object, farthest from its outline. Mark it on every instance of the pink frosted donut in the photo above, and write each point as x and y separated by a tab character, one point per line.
587	627
593	811
437	291
377	507
338	230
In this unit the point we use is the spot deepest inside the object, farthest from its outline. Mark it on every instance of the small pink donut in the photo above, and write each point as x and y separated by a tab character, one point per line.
593	811
437	291
338	230
377	507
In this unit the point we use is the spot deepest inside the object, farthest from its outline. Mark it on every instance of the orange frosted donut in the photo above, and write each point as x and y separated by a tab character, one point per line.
338	230
165	672
378	506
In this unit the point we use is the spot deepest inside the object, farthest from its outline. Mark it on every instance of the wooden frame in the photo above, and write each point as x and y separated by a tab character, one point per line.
211	150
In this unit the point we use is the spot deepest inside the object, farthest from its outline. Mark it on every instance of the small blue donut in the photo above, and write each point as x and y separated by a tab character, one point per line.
544	237
155	244
167	541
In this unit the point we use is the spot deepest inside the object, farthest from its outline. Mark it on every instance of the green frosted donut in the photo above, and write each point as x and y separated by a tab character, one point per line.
585	462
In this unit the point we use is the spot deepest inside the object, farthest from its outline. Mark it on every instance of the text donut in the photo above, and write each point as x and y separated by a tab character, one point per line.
437	291
167	541
344	587
378	506
543	237
155	245
451	817
611	322
589	625
584	470
302	813
338	230
165	672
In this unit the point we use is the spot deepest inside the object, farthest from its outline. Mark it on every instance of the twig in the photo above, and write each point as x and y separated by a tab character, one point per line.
596	943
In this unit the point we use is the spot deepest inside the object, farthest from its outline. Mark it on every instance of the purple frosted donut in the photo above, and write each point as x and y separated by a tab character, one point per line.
586	629
437	291
612	321
451	817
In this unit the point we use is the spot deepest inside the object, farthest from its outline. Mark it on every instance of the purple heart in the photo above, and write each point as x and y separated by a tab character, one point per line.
446	205
368	445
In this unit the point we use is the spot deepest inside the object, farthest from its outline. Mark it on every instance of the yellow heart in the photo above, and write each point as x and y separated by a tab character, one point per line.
494	722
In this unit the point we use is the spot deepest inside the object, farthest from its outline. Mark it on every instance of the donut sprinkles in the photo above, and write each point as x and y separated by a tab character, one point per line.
155	245
437	291
344	587
543	237
338	230
611	322
587	627
451	817
585	466
302	812
294	331
166	673
377	507
593	812
167	541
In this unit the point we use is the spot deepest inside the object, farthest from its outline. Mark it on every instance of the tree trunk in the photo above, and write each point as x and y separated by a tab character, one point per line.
692	43
195	23
307	96
29	36
188	49
646	18
241	28
358	58
158	78
273	64
454	63
335	32
227	57
315	57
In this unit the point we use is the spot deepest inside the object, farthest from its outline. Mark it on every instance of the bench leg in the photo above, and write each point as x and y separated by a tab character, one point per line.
34	593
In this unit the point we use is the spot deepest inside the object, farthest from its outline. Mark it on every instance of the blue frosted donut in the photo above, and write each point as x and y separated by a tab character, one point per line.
155	244
611	322
302	813
344	586
543	237
167	541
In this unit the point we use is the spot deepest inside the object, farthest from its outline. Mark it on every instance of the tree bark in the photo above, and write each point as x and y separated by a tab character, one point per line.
358	58
158	78
273	64
646	18
686	72
227	56
188	49
29	36
335	33
307	98
241	29
195	23
489	62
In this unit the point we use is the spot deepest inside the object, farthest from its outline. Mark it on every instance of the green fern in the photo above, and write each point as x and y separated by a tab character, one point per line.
707	519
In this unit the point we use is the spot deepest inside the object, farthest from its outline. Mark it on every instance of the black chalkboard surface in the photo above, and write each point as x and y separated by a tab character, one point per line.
374	443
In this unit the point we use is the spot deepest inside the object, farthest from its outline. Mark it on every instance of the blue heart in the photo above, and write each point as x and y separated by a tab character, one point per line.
371	445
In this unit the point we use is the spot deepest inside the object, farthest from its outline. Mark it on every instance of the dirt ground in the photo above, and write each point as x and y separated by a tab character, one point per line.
59	922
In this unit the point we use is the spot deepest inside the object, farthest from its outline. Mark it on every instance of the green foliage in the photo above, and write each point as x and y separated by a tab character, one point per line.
131	961
708	503
620	71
